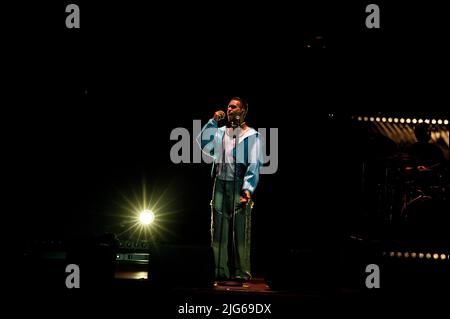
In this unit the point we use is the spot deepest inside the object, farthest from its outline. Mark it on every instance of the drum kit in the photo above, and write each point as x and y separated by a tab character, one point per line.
406	185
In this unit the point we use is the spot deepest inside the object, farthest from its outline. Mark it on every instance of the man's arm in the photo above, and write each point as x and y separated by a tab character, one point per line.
206	137
251	177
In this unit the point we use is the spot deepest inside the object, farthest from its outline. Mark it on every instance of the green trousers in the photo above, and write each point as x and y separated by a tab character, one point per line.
223	243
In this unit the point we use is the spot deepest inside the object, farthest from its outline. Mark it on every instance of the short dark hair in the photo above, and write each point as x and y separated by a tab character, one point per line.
244	103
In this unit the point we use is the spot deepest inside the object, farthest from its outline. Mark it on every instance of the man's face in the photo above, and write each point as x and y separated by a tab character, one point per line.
234	109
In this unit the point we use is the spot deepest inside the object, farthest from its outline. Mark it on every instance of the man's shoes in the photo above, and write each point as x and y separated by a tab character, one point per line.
230	283
235	281
241	279
221	281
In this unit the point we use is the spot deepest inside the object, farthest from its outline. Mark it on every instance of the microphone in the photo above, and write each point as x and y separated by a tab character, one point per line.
219	115
235	121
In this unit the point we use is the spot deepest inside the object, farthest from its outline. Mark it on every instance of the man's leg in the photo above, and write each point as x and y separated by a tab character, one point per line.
242	237
219	232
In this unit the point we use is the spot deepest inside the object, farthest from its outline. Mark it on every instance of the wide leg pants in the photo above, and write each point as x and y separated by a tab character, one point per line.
222	231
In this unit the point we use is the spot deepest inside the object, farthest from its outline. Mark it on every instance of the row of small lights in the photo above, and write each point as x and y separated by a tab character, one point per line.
413	255
401	120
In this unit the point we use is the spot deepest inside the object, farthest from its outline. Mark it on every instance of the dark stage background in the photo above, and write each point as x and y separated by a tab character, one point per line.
93	109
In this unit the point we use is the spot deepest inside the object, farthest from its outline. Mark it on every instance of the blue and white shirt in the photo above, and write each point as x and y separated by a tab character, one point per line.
219	144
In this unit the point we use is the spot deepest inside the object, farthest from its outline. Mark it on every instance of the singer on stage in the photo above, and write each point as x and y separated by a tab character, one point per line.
237	152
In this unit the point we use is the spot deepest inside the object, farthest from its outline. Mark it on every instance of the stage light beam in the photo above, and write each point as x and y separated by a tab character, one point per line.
146	217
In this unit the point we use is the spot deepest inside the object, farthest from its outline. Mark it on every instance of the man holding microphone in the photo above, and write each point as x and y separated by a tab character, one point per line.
236	150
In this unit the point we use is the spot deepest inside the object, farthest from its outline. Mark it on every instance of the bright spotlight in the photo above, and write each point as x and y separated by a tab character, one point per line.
420	121
390	120
414	121
146	217
402	120
435	256
445	122
442	256
383	119
395	120
408	121
439	122
433	121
